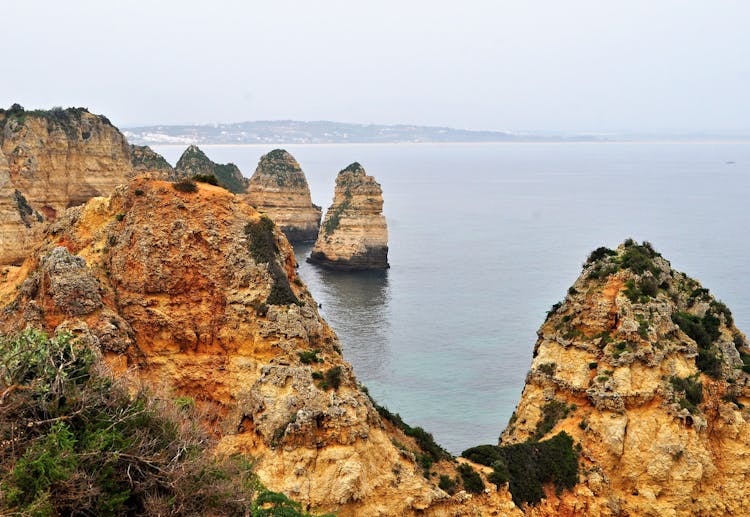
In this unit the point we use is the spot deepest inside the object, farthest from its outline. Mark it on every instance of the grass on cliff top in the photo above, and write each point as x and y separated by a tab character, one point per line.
69	119
528	466
77	442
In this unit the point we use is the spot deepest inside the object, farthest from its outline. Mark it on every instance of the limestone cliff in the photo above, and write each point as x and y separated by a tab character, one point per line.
149	163
195	162
647	372
49	161
354	233
279	189
198	293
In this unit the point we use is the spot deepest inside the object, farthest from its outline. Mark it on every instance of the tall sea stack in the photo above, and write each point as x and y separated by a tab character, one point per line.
354	235
279	189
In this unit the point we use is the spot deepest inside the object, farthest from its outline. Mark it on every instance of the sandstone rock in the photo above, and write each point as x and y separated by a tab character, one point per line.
149	163
181	290
49	161
194	161
651	364
354	233
279	189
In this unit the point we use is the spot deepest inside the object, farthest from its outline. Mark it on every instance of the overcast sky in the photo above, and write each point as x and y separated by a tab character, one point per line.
558	65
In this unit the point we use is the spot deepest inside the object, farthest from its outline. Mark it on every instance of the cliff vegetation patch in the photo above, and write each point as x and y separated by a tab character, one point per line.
528	466
76	442
262	245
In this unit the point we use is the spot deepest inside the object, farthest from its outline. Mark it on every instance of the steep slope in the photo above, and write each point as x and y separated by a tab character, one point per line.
195	162
197	292
354	234
147	162
647	372
53	160
279	188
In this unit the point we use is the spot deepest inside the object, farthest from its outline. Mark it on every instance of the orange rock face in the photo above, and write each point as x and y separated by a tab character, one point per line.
279	188
198	293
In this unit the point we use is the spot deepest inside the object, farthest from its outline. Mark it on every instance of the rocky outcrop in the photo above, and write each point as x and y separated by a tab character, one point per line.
52	160
149	163
354	233
197	292
194	162
279	189
648	374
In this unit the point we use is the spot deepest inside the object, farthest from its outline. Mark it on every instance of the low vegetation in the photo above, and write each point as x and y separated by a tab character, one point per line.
185	185
263	248
704	331
691	390
528	466
206	178
77	442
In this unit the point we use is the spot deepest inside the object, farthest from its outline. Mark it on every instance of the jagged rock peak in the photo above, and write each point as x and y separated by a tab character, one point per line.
194	162
279	188
649	375
146	161
51	160
354	234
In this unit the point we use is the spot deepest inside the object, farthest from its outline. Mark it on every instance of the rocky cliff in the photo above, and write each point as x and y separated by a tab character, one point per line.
52	160
647	373
354	233
279	188
195	162
149	163
197	292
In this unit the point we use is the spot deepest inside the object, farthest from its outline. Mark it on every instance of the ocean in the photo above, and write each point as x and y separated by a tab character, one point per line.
484	238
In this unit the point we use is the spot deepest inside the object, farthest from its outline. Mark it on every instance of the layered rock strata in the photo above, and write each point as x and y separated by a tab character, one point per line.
194	162
648	374
51	160
354	234
198	293
279	188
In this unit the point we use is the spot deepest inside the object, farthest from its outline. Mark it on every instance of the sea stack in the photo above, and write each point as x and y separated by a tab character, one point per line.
194	162
49	161
279	189
354	235
645	372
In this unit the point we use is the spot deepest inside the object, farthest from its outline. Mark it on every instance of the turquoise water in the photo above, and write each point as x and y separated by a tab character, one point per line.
484	238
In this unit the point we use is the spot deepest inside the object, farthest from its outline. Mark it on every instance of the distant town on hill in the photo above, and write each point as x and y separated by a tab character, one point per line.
323	132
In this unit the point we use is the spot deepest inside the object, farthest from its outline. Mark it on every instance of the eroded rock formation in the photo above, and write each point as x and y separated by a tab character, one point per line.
147	162
279	189
354	234
198	292
647	372
52	160
195	162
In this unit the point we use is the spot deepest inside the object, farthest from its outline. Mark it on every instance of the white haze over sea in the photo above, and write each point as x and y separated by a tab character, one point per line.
484	238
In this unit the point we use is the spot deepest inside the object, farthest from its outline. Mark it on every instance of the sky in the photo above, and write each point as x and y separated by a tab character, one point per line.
655	66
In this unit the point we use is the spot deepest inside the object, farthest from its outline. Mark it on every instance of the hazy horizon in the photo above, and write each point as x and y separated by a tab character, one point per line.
582	66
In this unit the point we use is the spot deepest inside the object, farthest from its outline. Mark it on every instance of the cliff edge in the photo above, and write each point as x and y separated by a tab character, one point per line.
647	373
354	234
279	188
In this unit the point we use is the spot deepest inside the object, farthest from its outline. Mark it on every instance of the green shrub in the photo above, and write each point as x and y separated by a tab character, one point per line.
499	474
692	389
425	441
531	464
447	483
185	186
332	377
138	192
206	178
552	412
639	258
309	357
263	248
600	253
704	331
471	480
